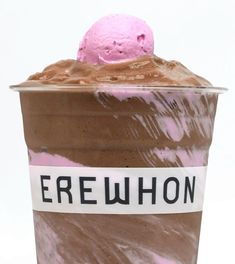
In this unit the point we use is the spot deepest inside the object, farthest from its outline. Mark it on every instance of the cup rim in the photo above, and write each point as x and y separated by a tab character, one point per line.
38	87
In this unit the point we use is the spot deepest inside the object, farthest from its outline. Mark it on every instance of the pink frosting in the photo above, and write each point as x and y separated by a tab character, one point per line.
115	38
45	159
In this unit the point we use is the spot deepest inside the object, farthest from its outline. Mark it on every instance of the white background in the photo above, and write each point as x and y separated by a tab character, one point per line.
33	34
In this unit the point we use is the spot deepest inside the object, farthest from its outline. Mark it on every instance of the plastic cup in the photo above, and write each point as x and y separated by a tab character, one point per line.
117	172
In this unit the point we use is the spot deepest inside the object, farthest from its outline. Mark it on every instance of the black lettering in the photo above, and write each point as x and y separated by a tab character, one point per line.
83	190
165	190
64	189
189	189
117	198
142	190
45	188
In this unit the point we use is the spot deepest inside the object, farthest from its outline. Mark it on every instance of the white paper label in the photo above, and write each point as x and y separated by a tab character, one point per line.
117	190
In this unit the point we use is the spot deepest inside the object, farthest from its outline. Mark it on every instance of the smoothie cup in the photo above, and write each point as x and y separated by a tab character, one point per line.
117	171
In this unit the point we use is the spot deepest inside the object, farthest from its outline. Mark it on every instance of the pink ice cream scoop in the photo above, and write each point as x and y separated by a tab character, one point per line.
115	38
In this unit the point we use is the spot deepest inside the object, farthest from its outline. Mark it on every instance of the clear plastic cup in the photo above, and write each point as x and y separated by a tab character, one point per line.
117	172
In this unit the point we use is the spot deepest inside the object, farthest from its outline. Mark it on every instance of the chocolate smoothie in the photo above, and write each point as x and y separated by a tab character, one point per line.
118	143
144	113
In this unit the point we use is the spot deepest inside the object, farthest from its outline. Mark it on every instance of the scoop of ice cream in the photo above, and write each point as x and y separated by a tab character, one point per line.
115	38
